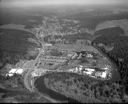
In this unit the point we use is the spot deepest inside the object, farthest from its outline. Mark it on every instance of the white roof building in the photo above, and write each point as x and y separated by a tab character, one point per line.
89	72
104	74
101	74
14	71
34	74
19	71
89	69
89	55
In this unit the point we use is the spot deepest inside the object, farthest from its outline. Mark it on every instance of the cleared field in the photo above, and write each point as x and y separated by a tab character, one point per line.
15	40
15	27
123	23
14	45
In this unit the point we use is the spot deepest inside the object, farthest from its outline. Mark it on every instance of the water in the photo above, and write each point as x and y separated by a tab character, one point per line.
39	84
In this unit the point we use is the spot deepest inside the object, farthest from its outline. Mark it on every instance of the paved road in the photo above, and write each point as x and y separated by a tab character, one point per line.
30	66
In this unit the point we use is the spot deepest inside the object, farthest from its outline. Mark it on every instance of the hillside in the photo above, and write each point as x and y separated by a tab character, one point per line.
122	23
85	89
15	44
118	54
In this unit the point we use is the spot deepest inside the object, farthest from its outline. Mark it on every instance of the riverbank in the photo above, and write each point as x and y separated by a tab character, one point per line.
41	87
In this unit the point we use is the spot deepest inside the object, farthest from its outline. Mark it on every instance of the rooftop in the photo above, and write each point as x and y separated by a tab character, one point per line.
15	71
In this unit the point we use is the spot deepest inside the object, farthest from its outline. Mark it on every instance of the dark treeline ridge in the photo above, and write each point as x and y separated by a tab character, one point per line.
14	46
119	54
108	35
110	31
96	90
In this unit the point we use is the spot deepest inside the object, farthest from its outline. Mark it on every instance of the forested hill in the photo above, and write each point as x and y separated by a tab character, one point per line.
108	35
15	45
119	53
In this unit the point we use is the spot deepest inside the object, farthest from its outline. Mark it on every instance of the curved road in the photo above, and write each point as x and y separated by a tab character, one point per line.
28	82
30	66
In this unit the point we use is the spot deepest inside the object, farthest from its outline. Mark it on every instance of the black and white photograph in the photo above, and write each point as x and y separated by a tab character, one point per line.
63	51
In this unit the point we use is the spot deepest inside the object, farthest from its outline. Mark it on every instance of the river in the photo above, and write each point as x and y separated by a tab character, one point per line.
39	84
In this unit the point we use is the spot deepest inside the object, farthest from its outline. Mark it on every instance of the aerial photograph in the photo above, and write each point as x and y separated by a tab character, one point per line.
63	51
